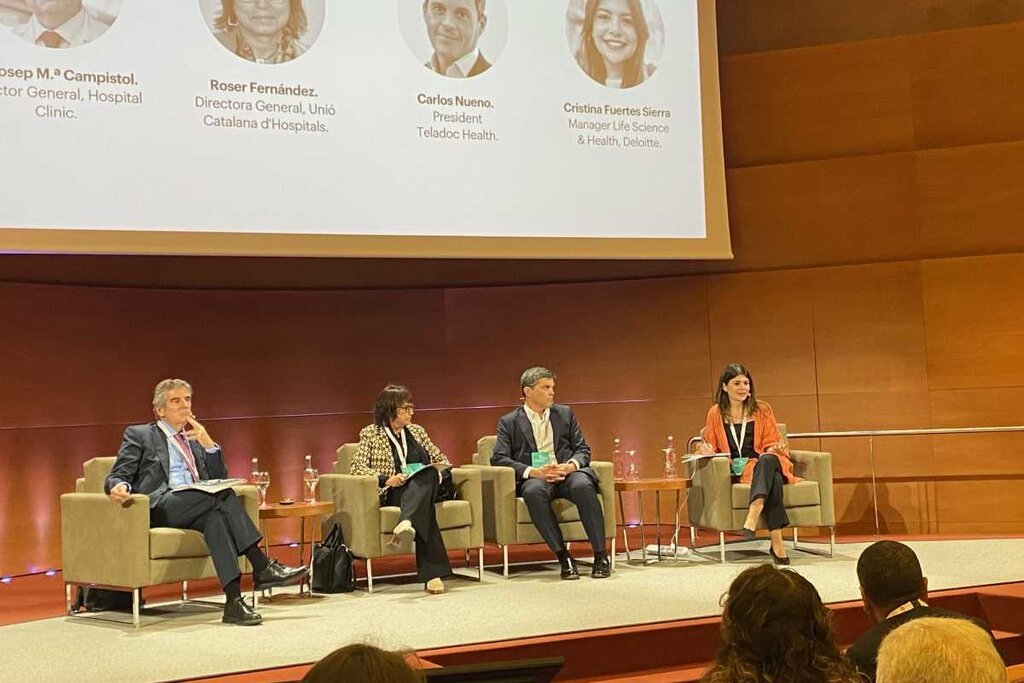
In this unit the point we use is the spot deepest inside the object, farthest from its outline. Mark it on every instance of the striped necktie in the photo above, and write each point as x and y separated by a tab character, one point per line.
186	451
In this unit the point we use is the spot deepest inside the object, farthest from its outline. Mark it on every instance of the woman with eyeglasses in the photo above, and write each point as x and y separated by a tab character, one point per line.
393	449
262	31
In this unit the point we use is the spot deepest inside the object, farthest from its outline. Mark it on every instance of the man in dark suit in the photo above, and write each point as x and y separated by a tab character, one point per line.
174	451
541	426
894	591
454	27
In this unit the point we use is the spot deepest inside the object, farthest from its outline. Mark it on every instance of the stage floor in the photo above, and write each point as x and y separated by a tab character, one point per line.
189	641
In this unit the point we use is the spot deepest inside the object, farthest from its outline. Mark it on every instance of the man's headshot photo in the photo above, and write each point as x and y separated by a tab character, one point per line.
462	38
60	24
617	43
265	31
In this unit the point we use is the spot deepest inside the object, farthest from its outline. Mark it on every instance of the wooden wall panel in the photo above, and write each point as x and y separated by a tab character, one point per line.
903	508
834	101
956	503
961	189
858	209
765	322
869	329
973	317
967	86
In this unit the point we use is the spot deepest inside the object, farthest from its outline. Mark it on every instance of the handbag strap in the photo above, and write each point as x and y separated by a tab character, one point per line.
333	537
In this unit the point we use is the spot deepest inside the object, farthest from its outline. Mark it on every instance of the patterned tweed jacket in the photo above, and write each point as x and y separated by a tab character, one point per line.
374	454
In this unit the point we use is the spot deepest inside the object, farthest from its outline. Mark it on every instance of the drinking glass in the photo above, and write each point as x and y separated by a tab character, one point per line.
632	471
262	484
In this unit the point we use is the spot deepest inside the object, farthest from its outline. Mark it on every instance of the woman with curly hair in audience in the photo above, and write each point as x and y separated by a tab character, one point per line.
775	628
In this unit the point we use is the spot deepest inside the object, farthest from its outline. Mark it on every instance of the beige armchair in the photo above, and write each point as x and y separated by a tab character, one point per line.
111	546
366	525
716	503
506	518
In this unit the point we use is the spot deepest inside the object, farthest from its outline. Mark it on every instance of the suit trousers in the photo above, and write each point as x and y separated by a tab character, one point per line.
220	517
767	483
416	499
580	489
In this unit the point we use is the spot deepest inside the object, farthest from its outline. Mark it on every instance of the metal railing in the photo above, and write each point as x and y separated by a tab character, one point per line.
872	433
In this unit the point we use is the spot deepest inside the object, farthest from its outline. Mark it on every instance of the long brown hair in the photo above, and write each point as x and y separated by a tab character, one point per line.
775	628
592	62
722	398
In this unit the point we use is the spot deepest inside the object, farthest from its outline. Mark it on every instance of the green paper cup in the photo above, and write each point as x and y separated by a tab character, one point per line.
738	464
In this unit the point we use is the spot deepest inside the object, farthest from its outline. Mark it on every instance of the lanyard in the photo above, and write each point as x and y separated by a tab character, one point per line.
906	607
401	446
742	437
172	437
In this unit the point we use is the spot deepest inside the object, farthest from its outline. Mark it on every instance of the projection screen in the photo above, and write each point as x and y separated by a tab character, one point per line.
405	128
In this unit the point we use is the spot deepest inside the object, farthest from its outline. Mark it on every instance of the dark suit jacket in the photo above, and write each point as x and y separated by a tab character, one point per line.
864	652
144	463
479	66
516	444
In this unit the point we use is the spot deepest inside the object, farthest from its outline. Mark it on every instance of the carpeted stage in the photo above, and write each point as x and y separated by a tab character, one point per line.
184	641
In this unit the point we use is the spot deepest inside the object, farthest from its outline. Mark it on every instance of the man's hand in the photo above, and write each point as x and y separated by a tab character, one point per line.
567	467
119	494
395	481
198	433
549	473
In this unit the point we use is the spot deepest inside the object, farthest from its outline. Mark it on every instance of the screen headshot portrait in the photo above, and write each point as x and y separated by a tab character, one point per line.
618	43
455	38
265	31
61	24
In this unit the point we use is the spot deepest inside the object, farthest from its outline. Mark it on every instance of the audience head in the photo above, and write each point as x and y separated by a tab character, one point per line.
775	627
362	662
731	383
393	404
890	575
939	650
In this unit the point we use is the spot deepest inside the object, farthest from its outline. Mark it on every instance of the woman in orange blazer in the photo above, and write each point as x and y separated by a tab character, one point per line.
741	425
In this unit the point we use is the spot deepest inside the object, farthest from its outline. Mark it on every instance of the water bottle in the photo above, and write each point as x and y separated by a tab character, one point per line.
617	464
310	478
670	471
255	470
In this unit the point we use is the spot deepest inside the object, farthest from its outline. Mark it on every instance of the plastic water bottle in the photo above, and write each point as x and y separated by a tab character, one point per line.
617	464
310	478
255	470
670	471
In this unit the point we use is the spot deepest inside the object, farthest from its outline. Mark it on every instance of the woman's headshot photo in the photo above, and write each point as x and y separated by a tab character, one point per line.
265	31
618	43
454	38
59	24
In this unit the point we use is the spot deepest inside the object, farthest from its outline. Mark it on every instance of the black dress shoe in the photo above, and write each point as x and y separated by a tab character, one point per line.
601	569
237	611
275	575
776	559
569	571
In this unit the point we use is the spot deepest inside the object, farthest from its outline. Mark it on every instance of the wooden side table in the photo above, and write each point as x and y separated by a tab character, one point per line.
303	511
639	486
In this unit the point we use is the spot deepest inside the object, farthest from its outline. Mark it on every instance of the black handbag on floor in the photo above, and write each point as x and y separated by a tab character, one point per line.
334	568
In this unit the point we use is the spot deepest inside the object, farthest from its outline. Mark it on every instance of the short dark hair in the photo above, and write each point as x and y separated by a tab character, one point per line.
389	400
533	375
360	662
889	573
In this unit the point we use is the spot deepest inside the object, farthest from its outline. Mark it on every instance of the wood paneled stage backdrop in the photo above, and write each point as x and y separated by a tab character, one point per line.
875	179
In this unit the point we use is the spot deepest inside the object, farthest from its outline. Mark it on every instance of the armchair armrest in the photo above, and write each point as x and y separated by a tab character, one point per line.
817	466
356	508
606	489
103	542
250	498
710	499
498	486
468	488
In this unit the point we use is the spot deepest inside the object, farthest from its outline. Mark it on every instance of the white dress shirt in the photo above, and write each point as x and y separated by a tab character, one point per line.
460	68
77	31
543	435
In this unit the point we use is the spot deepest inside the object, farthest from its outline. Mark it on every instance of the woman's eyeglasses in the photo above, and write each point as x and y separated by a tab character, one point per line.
408	408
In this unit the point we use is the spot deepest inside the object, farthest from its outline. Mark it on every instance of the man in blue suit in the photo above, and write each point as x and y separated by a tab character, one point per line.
176	450
542	426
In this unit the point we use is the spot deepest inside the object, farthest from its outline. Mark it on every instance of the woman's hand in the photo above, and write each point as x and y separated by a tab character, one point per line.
704	448
395	481
777	448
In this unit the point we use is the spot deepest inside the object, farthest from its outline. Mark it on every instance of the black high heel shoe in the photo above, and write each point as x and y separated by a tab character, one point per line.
748	534
776	559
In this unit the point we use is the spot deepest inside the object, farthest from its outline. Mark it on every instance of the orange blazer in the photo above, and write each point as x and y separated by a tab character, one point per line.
766	433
